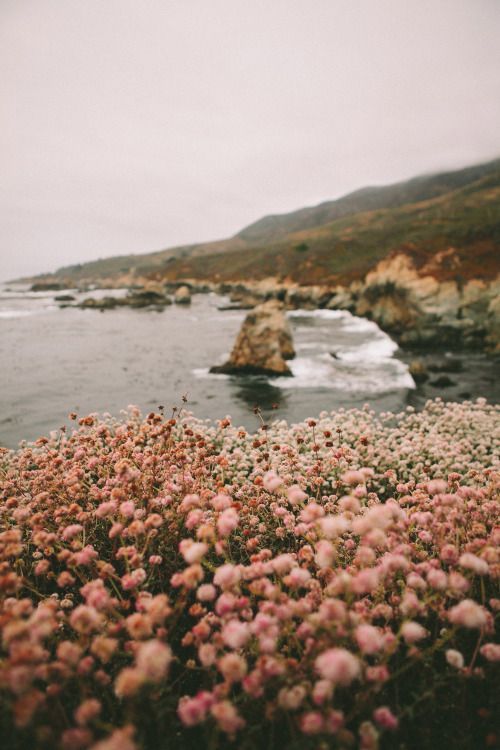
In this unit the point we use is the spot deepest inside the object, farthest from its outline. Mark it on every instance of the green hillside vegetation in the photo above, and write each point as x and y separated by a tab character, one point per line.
339	241
467	219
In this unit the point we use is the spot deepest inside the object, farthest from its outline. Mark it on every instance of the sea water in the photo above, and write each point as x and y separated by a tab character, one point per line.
57	360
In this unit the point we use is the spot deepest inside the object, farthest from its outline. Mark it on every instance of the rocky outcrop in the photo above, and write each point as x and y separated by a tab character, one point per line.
419	310
410	303
136	299
183	295
263	344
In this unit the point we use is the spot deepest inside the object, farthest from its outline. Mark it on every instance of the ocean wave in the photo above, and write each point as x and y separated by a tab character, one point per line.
381	347
321	314
326	373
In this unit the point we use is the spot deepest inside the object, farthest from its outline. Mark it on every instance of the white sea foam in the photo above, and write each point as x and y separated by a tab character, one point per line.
16	313
324	372
381	347
322	314
204	372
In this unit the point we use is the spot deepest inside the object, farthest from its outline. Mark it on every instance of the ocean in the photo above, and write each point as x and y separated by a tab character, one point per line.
58	360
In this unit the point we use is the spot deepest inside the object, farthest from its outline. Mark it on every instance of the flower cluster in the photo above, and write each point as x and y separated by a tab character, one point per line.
168	581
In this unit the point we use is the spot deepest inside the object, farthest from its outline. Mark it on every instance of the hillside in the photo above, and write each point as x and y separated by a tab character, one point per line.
421	258
345	249
340	240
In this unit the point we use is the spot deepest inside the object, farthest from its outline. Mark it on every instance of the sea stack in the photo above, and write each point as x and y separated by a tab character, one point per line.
263	344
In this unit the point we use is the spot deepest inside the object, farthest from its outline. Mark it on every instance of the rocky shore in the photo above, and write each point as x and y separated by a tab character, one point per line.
410	304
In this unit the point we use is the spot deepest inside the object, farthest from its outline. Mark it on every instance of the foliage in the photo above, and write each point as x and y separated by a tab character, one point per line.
170	584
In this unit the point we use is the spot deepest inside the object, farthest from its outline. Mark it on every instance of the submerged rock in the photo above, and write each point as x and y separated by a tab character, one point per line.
145	298
418	371
443	381
137	299
104	303
47	286
263	343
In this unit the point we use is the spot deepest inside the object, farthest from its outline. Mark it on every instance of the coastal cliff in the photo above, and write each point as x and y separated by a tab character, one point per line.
421	258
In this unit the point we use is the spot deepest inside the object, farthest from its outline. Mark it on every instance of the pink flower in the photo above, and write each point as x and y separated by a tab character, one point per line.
385	718
191	551
232	667
454	658
353	477
206	592
120	739
437	486
106	509
129	682
104	647
127	508
192	711
227	717
207	654
138	625
132	580
272	481
221	502
322	692
295	495
283	563
325	553
412	632
369	638
474	563
227	521
86	555
468	614
297	578
491	651
153	660
85	619
291	698
333	526
312	722
227	576
87	711
338	665
71	531
235	634
437	579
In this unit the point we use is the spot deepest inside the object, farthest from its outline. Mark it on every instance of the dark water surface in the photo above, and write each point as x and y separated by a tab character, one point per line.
54	361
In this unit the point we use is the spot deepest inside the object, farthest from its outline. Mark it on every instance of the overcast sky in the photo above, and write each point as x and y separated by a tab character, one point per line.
133	125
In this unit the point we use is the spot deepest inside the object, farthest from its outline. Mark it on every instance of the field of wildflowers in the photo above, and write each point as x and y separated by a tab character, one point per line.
165	583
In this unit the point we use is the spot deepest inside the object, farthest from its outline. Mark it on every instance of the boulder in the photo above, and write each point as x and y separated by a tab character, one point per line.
145	298
263	343
136	299
418	371
183	296
104	303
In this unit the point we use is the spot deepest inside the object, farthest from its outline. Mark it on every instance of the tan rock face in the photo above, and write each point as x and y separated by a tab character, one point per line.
418	309
263	343
183	295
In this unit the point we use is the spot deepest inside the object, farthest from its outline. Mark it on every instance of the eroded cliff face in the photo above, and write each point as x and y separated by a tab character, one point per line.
412	304
419	309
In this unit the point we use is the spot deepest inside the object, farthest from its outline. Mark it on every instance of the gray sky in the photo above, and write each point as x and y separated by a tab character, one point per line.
132	125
